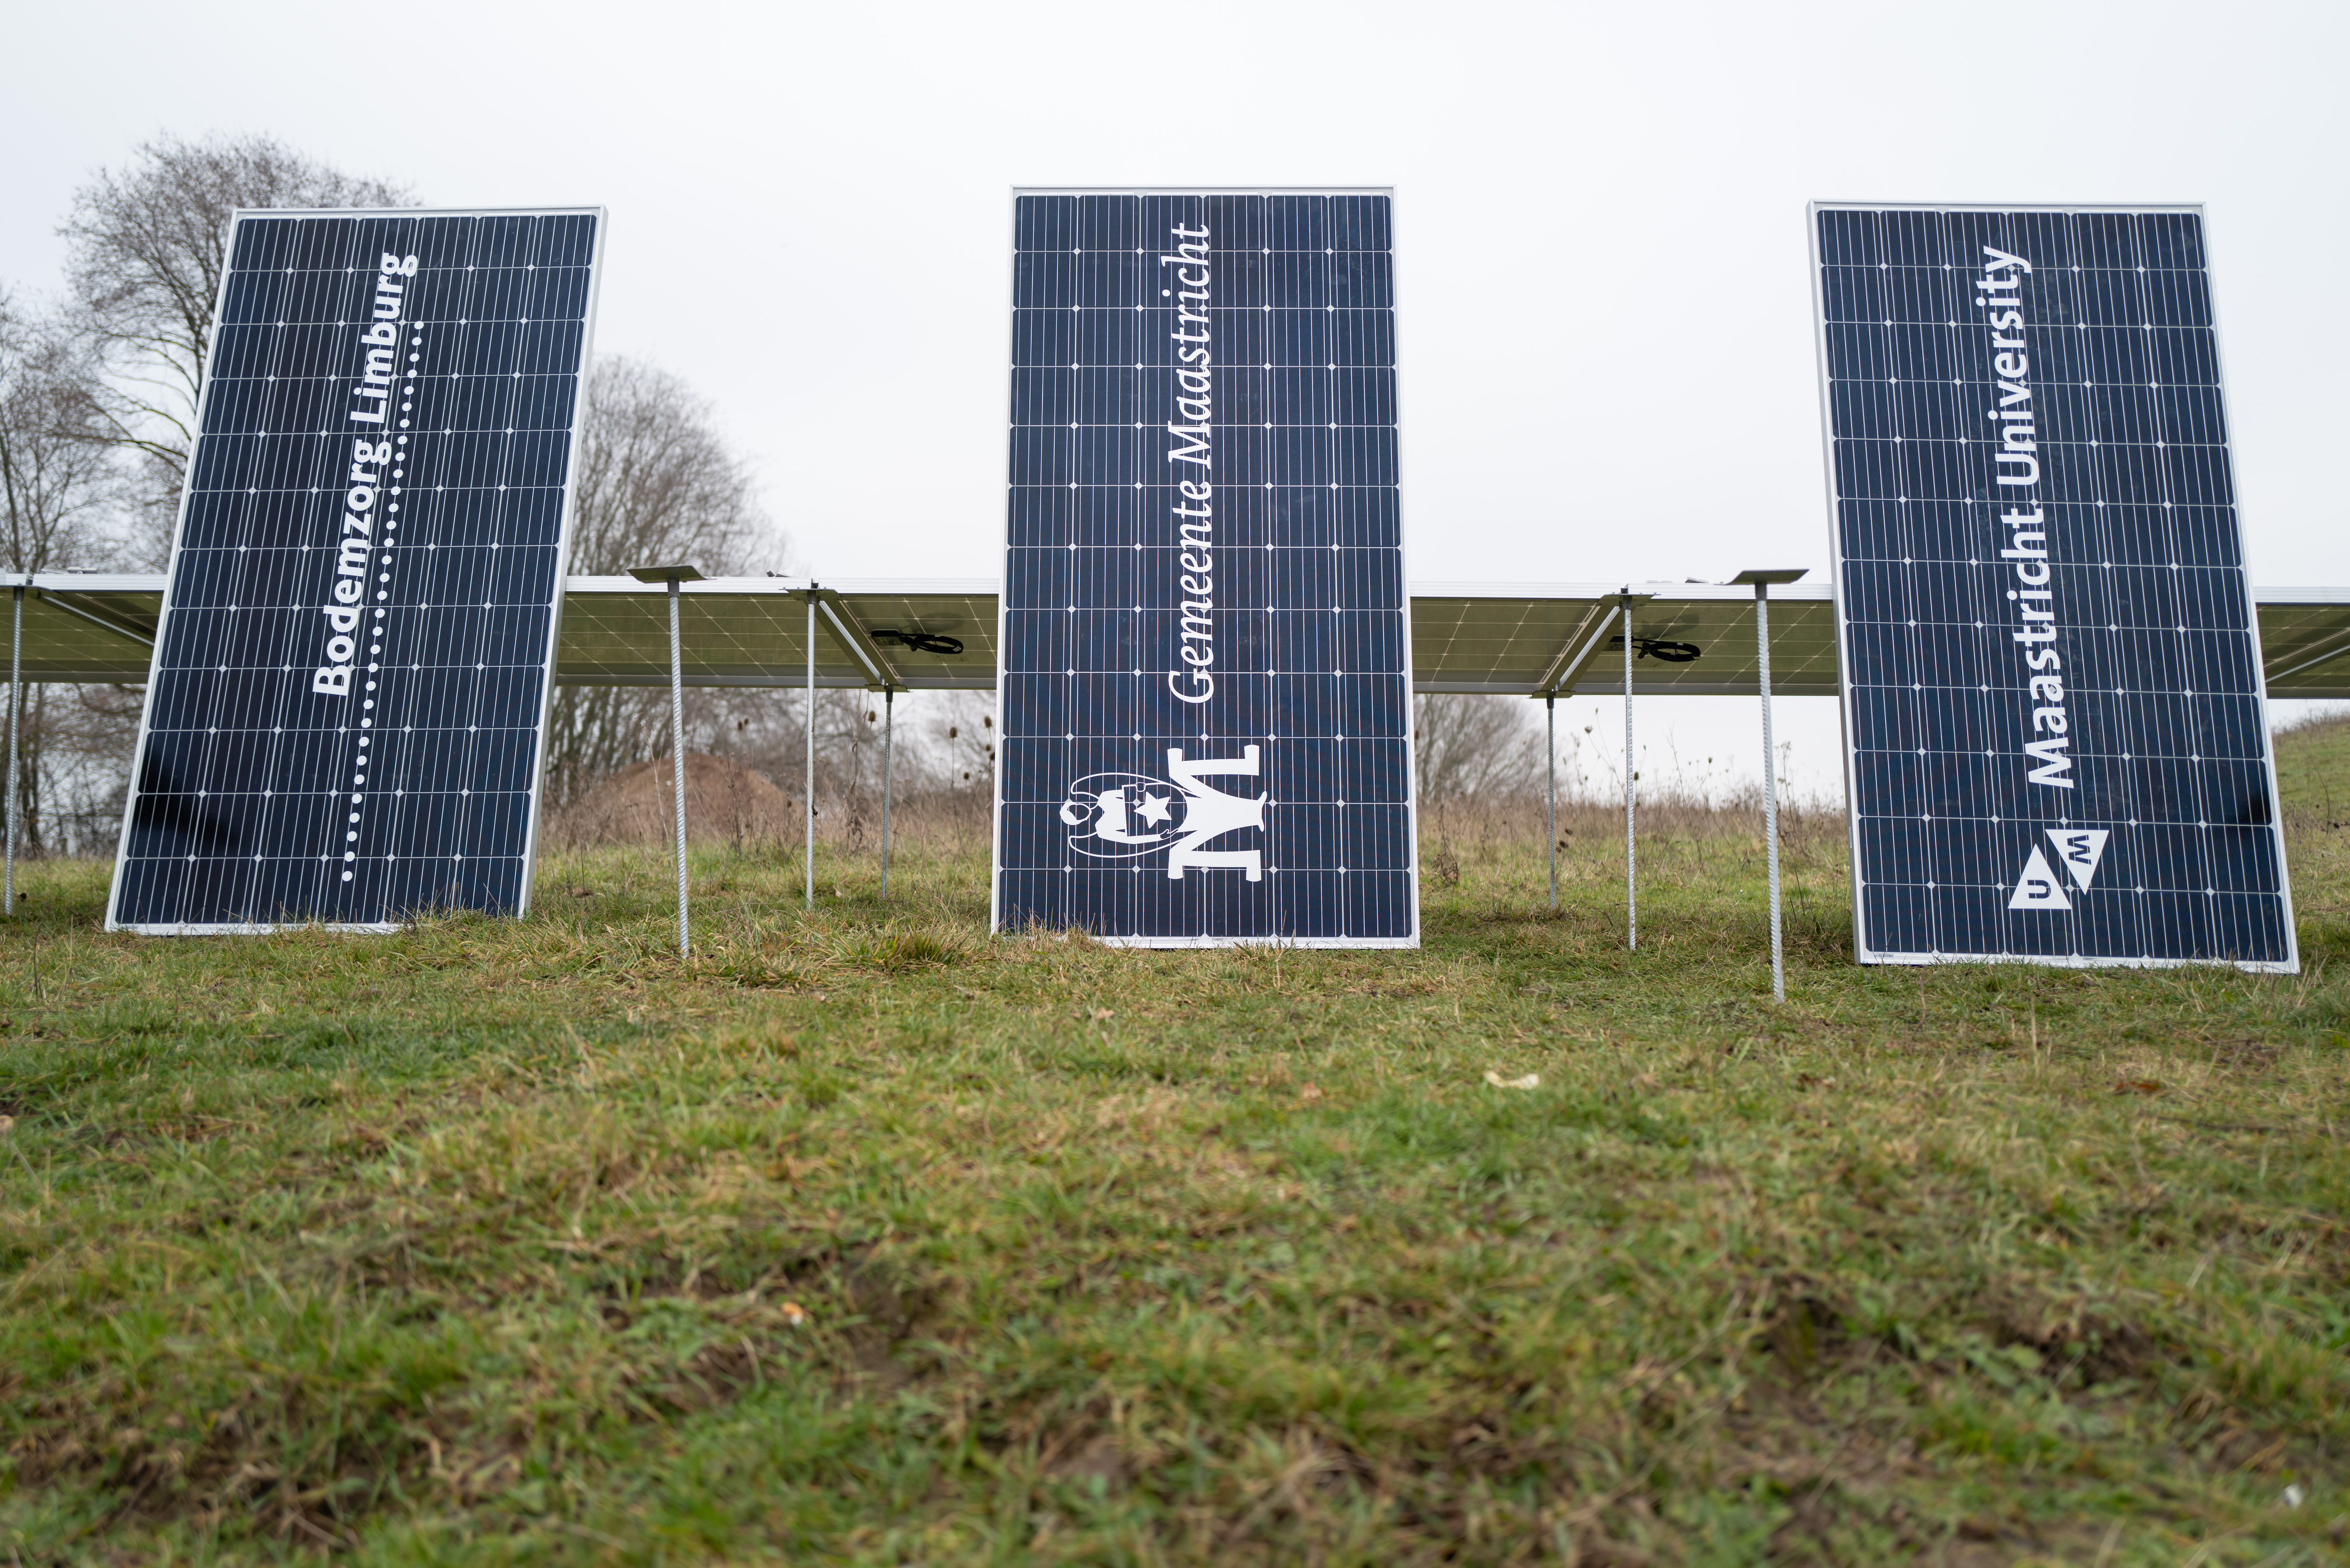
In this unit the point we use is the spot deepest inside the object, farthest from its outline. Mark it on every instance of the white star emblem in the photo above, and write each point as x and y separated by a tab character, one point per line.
1153	809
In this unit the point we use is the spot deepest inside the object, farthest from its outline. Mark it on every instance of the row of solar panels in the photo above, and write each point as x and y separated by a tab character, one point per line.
1496	638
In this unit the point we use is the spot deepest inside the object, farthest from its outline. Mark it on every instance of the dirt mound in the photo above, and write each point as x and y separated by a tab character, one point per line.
725	803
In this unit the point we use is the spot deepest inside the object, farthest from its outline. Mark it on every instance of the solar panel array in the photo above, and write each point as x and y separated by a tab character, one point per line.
1205	682
350	680
2054	703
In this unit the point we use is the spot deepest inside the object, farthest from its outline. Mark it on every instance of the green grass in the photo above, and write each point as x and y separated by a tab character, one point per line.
864	1238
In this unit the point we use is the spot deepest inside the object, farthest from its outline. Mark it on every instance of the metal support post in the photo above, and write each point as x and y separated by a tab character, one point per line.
888	699
809	786
677	755
1762	581
1550	786
1770	786
674	576
15	700
1631	884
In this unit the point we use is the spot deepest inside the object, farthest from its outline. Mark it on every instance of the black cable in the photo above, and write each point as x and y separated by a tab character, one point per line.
924	642
1660	648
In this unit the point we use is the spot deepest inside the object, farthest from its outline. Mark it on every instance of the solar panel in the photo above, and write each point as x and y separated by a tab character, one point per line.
350	682
1205	680
2055	714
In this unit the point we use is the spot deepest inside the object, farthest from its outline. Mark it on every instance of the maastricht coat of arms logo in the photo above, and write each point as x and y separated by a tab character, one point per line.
1125	816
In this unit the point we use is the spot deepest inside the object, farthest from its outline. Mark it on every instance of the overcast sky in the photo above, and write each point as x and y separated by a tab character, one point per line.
1607	363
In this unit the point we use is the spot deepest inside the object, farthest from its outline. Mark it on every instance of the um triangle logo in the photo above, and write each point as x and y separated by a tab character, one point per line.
2080	849
1125	816
2038	889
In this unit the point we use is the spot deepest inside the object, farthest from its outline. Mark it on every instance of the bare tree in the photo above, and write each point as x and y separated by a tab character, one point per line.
145	247
657	484
55	474
1469	745
58	484
657	481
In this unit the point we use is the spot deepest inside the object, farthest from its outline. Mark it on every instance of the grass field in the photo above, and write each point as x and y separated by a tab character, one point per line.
864	1238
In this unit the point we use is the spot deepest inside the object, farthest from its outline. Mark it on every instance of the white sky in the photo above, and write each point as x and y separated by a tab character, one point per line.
1605	315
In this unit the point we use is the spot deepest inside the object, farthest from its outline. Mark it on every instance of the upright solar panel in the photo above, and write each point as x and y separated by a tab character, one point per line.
1205	679
350	679
2056	737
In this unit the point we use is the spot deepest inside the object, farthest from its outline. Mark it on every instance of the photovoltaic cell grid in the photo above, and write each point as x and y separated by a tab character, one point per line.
259	798
1206	733
2054	710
